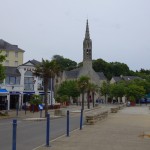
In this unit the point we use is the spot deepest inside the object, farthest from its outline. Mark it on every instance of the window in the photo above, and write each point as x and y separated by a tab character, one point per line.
17	80
28	73
16	63
16	54
7	53
28	81
7	63
12	80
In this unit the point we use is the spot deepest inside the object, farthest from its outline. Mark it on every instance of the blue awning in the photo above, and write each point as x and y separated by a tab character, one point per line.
28	93
14	93
3	92
42	93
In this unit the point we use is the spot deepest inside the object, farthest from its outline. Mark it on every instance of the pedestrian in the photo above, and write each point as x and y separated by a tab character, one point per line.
128	103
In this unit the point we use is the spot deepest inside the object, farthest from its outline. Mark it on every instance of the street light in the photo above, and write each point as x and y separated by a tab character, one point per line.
51	91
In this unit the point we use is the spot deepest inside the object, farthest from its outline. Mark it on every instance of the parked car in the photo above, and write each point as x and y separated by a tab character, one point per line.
144	100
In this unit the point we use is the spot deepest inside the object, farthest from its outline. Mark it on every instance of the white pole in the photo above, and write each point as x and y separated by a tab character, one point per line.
51	92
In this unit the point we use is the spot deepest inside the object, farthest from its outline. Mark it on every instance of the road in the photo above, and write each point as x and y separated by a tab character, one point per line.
31	134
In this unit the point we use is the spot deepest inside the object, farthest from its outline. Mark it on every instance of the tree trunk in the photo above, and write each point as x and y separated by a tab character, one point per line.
82	100
45	96
105	98
88	99
93	99
120	99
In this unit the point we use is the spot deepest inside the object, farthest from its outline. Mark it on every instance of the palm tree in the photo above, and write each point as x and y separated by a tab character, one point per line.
46	69
105	89
94	88
83	82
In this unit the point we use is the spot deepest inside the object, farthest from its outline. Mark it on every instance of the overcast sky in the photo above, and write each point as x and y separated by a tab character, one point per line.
119	29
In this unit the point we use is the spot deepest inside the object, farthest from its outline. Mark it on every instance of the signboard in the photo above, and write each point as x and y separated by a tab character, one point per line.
40	107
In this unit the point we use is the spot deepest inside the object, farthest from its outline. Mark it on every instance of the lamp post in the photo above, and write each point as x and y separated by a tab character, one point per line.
51	91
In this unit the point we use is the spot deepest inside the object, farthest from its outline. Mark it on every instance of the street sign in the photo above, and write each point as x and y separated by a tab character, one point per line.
40	107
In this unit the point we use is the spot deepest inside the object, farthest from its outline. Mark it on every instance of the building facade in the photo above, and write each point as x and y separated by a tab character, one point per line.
14	55
20	84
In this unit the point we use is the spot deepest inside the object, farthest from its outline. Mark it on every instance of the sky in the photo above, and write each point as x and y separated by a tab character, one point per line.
119	29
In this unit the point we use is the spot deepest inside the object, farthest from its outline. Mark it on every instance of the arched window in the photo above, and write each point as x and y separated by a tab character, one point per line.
28	81
28	73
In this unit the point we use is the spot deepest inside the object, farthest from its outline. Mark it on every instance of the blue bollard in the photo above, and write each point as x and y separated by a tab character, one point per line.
81	119
48	130
67	122
14	135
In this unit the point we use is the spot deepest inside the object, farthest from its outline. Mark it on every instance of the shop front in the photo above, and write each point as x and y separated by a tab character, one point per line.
15	100
3	99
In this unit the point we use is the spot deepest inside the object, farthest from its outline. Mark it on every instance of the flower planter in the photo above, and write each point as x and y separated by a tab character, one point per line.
132	103
36	109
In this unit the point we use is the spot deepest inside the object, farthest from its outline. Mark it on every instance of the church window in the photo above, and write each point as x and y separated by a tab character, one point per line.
87	52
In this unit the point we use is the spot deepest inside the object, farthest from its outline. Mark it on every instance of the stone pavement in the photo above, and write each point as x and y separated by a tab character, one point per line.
31	115
36	115
129	129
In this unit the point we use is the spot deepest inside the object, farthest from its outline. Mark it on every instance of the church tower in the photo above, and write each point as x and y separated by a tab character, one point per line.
87	48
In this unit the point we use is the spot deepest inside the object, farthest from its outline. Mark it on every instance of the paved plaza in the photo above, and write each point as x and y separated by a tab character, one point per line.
129	129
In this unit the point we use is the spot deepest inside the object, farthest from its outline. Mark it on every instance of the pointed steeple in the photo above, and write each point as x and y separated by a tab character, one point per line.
87	48
87	34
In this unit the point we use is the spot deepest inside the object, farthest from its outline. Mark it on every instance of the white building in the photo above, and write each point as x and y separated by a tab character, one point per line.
20	84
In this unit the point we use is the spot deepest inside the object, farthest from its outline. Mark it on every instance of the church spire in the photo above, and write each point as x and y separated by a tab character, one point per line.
87	48
87	34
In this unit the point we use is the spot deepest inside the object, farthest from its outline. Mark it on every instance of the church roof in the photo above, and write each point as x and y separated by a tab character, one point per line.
101	75
73	73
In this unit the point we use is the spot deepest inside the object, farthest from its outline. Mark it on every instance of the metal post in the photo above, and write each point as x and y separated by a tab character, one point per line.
40	113
14	134
25	107
81	119
17	108
67	122
48	130
51	92
17	111
33	108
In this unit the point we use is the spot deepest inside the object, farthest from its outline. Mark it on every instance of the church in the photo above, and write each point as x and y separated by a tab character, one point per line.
86	70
